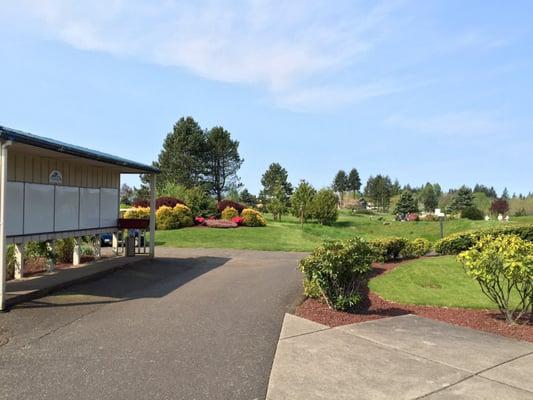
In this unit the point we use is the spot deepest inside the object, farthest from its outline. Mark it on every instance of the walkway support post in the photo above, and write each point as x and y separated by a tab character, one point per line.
19	260
76	254
152	214
3	247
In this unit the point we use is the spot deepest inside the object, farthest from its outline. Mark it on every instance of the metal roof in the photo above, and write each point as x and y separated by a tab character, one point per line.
65	148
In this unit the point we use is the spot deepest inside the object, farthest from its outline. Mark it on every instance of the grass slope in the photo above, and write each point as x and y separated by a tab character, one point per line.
288	235
435	281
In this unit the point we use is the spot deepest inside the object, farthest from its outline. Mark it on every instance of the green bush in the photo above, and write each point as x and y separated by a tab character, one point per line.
311	289
166	218
472	213
183	215
64	249
324	206
251	217
387	249
415	248
503	265
339	269
458	242
229	212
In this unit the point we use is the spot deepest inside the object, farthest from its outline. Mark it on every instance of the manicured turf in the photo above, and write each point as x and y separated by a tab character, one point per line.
288	235
436	281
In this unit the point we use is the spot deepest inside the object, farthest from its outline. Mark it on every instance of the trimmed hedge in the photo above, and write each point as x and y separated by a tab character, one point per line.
458	242
138	213
387	249
415	248
229	212
251	217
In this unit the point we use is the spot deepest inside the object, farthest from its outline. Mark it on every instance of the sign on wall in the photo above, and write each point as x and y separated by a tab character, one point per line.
55	177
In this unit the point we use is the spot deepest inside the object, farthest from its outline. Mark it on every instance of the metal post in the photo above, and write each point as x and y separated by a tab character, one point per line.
19	260
76	254
441	221
3	247
152	214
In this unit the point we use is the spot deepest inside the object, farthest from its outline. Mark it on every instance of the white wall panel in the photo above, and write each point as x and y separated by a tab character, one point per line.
89	208
108	207
38	208
66	208
15	208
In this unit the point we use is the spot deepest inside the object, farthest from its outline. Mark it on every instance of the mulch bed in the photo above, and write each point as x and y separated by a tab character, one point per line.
377	307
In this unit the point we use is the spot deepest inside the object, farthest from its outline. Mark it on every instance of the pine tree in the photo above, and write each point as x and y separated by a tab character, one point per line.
354	181
407	203
301	201
340	184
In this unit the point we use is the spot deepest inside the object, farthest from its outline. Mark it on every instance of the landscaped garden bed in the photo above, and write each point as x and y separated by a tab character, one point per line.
377	307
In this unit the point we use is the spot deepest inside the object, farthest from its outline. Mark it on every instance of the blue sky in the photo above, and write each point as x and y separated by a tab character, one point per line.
436	91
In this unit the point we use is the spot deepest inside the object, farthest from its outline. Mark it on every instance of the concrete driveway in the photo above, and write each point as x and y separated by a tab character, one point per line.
192	324
406	357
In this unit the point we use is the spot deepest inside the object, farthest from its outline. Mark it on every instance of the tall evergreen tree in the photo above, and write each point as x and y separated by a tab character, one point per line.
182	159
274	175
222	161
407	203
354	181
462	199
340	184
379	190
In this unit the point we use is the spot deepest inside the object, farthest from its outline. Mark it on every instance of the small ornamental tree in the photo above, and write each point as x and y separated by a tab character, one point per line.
301	201
499	206
339	270
503	266
324	206
407	203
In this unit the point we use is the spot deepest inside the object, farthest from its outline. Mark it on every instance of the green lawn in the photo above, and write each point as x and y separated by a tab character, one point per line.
288	235
436	281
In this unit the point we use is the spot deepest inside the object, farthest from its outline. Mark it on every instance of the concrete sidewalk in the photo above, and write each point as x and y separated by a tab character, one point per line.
34	287
405	357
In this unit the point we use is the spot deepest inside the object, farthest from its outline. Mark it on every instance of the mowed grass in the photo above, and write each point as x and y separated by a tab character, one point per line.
289	235
434	281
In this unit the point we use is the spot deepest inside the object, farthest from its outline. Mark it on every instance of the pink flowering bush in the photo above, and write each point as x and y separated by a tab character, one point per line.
238	220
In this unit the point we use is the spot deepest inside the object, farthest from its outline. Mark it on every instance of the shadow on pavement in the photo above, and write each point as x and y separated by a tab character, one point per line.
152	278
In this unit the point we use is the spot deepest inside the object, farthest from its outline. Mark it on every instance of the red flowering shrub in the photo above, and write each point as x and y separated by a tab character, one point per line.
168	201
412	217
212	217
220	223
199	221
222	205
499	206
140	203
238	220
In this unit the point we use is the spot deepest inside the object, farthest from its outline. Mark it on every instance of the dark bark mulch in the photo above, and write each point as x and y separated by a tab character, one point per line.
376	307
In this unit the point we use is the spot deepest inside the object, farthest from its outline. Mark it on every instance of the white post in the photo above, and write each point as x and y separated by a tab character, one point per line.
51	248
19	260
76	254
3	247
97	247
152	215
114	243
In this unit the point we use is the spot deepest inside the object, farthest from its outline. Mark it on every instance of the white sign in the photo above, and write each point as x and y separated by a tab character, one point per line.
55	177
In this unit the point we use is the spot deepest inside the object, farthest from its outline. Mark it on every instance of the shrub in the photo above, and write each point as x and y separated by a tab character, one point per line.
220	223
472	213
339	269
311	289
458	242
166	218
324	206
141	203
199	220
183	215
415	248
229	212
238	220
64	249
252	218
139	212
411	217
167	201
520	212
503	265
387	249
499	206
222	205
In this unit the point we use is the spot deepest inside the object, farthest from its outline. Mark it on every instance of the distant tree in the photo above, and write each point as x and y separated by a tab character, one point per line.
222	161
505	194
302	200
277	203
499	206
324	206
126	194
354	181
247	198
462	199
396	188
490	192
379	190
182	159
340	184
407	204
233	194
437	189
275	175
429	198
